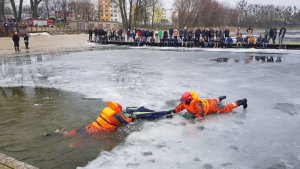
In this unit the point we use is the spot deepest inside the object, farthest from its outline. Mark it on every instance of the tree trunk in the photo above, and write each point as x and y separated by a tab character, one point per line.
125	14
120	4
34	6
2	9
47	7
20	11
136	12
13	6
145	14
65	10
153	11
130	14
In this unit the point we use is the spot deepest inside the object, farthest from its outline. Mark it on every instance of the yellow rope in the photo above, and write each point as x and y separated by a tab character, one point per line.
205	105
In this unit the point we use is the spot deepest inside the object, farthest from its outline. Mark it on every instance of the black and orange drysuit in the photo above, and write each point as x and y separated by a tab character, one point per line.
202	107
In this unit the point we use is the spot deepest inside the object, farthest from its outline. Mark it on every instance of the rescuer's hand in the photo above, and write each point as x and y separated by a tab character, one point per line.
172	111
133	118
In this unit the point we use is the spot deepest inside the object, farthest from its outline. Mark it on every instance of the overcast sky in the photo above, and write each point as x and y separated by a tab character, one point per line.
169	3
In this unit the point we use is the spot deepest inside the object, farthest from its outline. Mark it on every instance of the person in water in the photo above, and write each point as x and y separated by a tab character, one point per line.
199	108
110	118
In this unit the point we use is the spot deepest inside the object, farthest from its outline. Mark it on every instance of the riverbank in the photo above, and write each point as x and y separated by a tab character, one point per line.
7	162
41	43
46	43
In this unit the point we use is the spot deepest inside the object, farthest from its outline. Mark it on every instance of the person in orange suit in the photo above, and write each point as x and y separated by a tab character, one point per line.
199	107
109	119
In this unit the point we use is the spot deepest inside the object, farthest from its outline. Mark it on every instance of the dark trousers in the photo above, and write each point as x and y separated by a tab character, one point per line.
26	45
16	45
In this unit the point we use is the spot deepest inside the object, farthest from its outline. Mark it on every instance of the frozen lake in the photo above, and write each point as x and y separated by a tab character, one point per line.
265	136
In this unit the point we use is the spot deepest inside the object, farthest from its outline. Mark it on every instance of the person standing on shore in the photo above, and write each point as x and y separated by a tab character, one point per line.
16	39
26	40
274	35
266	33
271	34
90	34
238	31
282	34
249	31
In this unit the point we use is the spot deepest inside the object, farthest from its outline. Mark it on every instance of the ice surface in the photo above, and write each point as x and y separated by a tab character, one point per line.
266	135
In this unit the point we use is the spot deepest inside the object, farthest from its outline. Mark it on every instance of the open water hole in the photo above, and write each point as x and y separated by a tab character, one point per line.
27	113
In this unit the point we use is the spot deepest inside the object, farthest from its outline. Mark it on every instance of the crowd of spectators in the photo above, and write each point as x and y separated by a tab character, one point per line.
196	37
9	25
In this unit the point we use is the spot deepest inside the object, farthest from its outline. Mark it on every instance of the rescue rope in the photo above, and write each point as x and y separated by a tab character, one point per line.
205	105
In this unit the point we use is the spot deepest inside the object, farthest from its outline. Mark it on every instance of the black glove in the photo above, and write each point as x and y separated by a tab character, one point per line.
171	111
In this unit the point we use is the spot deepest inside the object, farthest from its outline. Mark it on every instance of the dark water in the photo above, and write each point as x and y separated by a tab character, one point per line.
26	113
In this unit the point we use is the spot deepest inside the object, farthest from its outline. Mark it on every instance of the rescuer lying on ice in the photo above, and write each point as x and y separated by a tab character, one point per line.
199	108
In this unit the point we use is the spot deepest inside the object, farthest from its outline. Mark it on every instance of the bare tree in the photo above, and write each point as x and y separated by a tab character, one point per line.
194	13
34	7
46	4
64	9
17	14
146	11
82	9
186	11
2	8
13	6
126	16
153	4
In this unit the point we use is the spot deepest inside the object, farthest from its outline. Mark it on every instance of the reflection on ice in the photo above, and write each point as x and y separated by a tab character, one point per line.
291	109
249	59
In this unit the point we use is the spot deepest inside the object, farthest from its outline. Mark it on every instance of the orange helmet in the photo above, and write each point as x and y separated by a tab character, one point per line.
186	97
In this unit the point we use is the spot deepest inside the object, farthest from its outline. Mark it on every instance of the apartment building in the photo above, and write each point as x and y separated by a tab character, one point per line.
109	11
104	6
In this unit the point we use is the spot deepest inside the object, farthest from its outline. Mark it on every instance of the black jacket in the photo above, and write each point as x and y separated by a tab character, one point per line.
16	38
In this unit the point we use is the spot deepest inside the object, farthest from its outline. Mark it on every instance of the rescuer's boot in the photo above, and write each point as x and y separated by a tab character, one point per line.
222	98
242	102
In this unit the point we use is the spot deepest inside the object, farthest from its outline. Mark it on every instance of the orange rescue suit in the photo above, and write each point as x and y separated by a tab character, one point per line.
202	107
109	119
